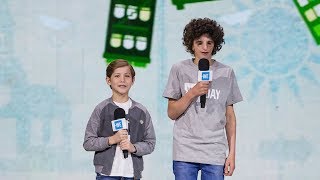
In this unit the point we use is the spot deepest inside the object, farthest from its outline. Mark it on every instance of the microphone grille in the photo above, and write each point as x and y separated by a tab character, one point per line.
119	113
203	64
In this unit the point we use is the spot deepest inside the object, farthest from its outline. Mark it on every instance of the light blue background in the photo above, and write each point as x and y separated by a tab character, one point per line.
52	76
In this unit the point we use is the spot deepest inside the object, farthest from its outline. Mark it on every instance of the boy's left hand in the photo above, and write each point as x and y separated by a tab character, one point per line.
127	145
229	165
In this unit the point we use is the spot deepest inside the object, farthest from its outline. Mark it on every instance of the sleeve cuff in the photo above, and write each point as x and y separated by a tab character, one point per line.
135	149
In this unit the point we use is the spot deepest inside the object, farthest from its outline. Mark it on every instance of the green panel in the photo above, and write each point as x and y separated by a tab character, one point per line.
180	3
129	32
317	30
310	12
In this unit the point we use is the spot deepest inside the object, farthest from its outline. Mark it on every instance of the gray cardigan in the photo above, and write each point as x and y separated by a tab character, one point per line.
99	128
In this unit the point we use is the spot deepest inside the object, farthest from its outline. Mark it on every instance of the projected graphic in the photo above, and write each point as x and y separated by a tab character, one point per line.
280	148
129	32
180	3
51	79
310	12
295	151
40	114
275	60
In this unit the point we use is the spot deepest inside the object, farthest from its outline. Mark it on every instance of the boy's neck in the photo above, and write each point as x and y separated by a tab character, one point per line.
120	98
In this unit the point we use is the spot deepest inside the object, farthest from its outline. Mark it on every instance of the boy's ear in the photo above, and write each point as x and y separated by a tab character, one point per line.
134	78
108	81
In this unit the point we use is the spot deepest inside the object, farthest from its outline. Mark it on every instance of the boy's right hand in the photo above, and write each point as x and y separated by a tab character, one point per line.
200	88
119	136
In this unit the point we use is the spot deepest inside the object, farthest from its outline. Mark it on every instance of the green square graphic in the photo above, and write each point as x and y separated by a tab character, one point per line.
180	3
129	31
310	12
317	29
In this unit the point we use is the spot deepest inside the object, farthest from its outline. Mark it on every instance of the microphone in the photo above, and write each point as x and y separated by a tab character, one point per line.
204	75
120	123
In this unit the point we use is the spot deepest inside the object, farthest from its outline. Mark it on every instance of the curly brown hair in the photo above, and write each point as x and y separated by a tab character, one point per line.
197	27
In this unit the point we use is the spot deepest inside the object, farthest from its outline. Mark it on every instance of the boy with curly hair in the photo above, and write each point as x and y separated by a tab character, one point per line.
202	136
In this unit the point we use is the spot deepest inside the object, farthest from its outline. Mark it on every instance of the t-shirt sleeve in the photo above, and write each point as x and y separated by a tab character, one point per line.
172	89
235	94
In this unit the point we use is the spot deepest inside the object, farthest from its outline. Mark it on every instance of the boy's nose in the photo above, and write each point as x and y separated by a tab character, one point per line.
122	78
204	46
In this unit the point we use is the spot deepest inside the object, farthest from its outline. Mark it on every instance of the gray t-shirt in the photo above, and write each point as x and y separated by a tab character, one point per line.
199	133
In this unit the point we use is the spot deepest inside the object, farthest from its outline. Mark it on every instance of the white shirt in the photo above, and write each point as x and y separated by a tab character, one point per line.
121	166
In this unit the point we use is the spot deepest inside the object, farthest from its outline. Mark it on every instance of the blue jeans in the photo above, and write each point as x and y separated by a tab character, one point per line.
102	177
189	171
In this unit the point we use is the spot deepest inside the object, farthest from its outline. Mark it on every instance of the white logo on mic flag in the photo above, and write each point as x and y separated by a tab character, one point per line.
204	75
119	124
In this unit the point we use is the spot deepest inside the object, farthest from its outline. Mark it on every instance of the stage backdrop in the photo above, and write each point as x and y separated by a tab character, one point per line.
53	55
